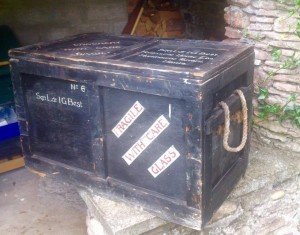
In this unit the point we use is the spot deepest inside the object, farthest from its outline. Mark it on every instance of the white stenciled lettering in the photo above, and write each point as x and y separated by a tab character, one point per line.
59	99
46	97
69	101
133	113
89	49
74	87
72	102
179	57
91	53
62	100
164	161
97	43
147	138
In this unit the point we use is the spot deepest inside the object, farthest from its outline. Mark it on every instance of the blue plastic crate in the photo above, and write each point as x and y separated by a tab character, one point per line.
8	123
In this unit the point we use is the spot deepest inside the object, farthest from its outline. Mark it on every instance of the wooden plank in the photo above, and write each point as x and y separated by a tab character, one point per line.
4	63
134	17
137	21
15	163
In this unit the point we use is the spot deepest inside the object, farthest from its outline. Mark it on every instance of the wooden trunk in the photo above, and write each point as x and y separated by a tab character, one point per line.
136	118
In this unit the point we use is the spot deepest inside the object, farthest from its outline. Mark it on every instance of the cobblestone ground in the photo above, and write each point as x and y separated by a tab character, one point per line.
266	201
265	211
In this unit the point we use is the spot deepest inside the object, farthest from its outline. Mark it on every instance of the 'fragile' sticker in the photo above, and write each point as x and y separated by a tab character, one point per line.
133	113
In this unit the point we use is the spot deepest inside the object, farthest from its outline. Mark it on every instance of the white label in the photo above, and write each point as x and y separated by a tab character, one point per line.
164	161
133	113
148	137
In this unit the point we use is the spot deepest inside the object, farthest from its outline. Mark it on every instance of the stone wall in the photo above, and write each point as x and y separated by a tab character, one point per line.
35	20
268	24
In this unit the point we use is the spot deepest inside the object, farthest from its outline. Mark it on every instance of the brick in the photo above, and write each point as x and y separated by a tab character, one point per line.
282	36
287	78
264	4
272	63
284	44
260	74
261	55
287	52
256	35
243	3
261	26
276	127
269	69
281	97
262	19
286	87
235	17
233	33
263	45
285	25
285	7
261	12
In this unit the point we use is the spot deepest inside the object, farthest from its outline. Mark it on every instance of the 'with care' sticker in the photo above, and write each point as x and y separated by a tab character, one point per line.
147	138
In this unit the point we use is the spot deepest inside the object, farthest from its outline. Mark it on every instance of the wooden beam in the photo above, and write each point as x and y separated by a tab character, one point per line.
134	18
137	21
4	63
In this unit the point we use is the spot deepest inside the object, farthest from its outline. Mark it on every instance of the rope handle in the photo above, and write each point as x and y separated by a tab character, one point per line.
227	124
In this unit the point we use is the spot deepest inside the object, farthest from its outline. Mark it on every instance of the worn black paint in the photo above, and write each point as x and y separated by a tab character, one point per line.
184	76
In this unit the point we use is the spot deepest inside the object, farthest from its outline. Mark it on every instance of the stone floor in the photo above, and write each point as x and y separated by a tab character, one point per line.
32	205
273	210
266	201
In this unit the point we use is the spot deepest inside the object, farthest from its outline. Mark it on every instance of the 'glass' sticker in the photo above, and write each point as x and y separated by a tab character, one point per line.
164	161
